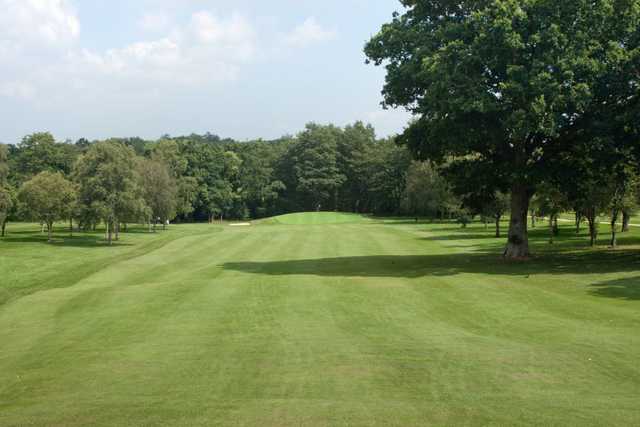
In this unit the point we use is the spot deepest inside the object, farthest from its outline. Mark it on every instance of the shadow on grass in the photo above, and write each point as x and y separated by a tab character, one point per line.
463	236
413	266
627	289
82	241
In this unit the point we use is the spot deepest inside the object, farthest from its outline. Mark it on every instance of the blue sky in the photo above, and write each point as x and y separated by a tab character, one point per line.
243	69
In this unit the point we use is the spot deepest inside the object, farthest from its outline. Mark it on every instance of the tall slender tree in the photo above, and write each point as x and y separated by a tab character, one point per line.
159	190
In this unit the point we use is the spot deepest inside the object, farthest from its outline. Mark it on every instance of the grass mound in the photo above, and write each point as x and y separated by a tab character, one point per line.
316	218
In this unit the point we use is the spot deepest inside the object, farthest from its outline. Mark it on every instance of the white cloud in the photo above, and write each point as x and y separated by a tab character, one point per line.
234	37
209	47
210	28
155	22
32	22
205	50
309	32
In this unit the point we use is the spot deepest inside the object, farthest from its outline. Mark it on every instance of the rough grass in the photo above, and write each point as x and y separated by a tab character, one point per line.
340	324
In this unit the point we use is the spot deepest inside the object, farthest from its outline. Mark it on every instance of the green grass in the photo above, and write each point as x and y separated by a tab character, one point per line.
360	323
316	218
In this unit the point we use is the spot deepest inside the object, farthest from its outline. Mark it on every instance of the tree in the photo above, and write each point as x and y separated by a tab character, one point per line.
501	80
169	152
159	190
596	169
40	152
497	207
48	197
354	145
630	204
314	160
481	190
623	183
260	187
108	184
386	172
6	199
7	206
550	202
4	164
428	193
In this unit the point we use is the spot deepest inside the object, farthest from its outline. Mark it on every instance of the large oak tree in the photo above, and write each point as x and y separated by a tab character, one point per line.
502	79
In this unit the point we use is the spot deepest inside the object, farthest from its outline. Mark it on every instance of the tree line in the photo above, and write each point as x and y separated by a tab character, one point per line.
121	181
205	178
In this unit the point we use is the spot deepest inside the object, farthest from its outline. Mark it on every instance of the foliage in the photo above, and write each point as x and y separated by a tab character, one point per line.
316	177
550	202
48	197
159	190
387	176
109	189
39	152
502	80
428	193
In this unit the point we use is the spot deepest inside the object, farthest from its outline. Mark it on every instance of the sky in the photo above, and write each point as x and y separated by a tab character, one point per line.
243	69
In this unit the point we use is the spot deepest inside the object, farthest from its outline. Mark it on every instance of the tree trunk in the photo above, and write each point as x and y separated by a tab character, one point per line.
578	221
626	219
498	218
49	231
533	219
71	227
614	220
109	232
593	226
518	243
117	230
552	232
556	229
4	226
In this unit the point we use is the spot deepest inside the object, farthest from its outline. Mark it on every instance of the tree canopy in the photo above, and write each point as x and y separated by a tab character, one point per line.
48	197
502	80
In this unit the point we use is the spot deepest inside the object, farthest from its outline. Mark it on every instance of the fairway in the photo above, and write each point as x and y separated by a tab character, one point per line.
316	218
351	321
